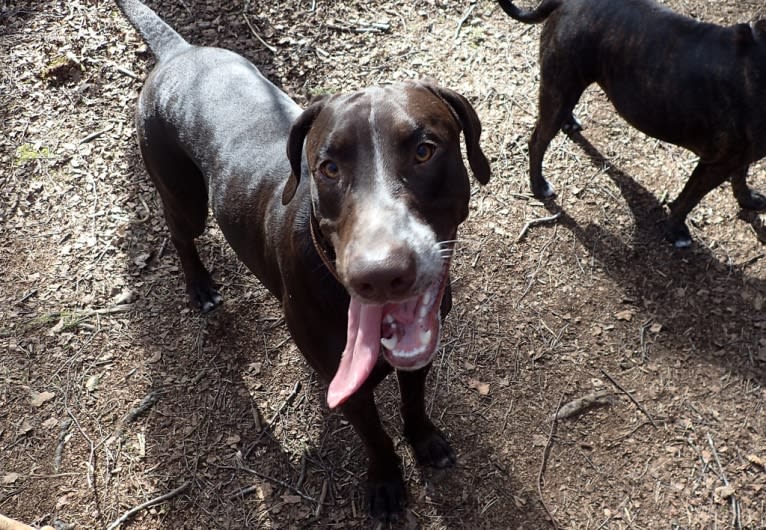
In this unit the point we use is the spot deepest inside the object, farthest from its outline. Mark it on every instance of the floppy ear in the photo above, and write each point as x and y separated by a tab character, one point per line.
469	121
298	131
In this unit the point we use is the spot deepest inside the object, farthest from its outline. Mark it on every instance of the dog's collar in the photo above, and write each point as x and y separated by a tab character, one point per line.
321	248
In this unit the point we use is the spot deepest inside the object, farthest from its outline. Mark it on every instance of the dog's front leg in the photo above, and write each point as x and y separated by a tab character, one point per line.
386	496
429	443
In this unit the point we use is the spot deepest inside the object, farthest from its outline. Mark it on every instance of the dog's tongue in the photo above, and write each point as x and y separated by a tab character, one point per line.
361	352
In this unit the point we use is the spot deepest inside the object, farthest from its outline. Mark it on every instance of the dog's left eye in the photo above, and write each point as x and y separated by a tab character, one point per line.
329	169
424	152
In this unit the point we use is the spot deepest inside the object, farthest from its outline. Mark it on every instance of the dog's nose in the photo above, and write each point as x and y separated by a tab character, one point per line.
383	276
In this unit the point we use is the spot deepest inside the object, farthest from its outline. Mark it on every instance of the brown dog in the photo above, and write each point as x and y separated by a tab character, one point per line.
696	85
353	230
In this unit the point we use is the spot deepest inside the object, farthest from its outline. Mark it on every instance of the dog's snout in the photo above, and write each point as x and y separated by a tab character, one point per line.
383	276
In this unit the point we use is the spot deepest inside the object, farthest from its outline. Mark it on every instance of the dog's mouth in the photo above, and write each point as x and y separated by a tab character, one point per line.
406	333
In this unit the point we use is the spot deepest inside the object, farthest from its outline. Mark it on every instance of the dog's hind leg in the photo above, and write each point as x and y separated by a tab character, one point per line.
556	102
748	198
185	205
705	177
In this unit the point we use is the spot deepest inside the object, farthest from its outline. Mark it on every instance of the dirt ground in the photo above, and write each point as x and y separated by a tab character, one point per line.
113	392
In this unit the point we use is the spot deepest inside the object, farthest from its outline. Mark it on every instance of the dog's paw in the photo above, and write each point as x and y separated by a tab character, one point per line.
206	298
678	235
386	499
752	200
571	125
432	449
542	189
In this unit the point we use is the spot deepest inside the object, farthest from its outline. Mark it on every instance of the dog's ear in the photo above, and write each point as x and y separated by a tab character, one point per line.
298	131
469	121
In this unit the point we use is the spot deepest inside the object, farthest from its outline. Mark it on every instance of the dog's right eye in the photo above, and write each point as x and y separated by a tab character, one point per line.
329	169
424	152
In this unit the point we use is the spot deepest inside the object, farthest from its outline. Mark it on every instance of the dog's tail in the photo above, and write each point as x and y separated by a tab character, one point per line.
161	38
530	16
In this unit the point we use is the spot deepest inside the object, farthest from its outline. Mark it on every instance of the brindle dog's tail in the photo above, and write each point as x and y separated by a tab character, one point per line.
161	38
530	17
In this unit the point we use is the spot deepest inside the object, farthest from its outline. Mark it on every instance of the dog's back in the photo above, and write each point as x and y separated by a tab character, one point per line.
207	112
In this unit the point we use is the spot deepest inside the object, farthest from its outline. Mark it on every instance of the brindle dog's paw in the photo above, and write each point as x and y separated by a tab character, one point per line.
542	189
679	235
752	200
204	296
386	499
433	450
571	125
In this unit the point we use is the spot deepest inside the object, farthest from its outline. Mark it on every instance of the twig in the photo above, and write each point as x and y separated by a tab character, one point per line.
94	135
276	481
63	437
734	504
751	261
322	496
375	27
634	400
544	462
533	276
462	20
90	472
125	71
148	402
304	466
579	405
26	296
289	399
256	419
11	524
242	492
535	222
272	49
162	498
122	308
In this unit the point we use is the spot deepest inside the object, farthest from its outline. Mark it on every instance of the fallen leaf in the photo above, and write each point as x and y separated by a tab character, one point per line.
481	388
656	327
38	398
291	499
10	478
142	259
50	423
264	491
92	383
157	357
25	427
724	492
233	439
626	315
63	501
757	460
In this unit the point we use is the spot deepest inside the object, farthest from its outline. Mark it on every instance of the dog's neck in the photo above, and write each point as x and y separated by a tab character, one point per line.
323	248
